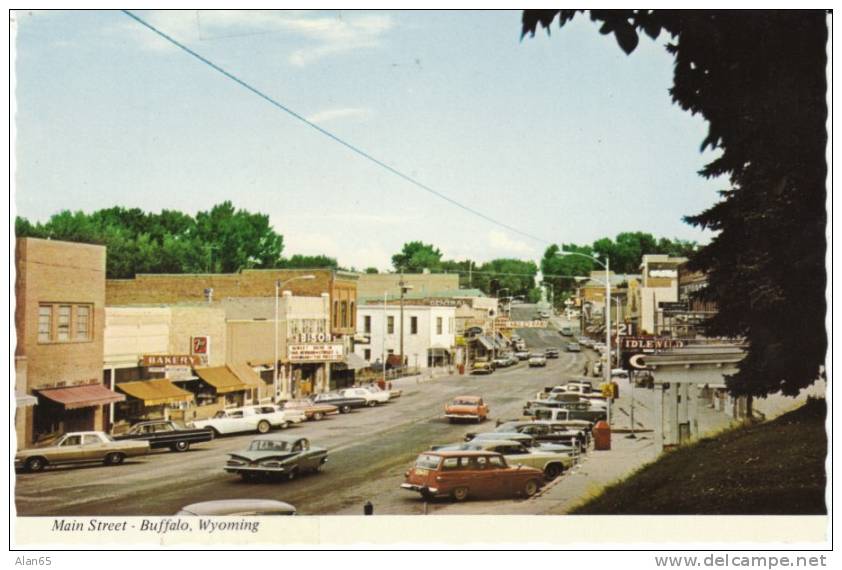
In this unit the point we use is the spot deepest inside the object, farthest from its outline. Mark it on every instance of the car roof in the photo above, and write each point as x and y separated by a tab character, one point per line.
234	506
471	453
278	437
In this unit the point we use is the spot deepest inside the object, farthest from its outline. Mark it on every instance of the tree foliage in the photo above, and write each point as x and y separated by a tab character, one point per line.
222	239
416	256
759	80
298	261
506	277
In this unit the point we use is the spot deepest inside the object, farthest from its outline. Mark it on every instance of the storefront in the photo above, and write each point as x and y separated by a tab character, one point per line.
72	408
218	387
148	400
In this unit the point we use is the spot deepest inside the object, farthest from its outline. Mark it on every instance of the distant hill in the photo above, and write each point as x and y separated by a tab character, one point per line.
774	468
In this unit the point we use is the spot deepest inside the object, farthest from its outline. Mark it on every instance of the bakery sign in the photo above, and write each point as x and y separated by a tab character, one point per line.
160	360
316	352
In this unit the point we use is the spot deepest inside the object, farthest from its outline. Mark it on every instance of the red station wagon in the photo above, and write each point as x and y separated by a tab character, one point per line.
463	474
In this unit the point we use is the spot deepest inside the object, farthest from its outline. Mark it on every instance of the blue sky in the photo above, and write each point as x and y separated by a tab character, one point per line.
564	137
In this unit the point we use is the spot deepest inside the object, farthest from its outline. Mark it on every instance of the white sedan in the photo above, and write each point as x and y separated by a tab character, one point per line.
372	396
260	418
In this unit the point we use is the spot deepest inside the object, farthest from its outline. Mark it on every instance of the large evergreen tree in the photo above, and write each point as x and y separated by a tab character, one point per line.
759	79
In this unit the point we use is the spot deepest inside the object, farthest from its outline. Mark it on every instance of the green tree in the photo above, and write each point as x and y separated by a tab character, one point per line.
372	270
759	80
309	261
417	256
560	271
463	268
513	277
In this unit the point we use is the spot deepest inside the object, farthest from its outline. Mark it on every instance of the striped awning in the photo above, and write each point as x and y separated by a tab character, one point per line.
222	379
86	396
155	392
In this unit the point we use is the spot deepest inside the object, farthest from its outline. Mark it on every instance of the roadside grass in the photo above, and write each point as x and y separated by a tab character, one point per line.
775	467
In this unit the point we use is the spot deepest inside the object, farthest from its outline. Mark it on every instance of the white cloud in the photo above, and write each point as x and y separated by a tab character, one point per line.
502	242
328	115
321	33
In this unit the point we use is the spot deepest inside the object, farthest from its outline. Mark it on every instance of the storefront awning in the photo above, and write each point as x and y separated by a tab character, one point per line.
246	374
222	379
486	342
156	392
23	400
88	396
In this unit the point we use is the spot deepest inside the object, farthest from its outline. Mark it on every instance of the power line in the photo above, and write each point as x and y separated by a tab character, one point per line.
327	133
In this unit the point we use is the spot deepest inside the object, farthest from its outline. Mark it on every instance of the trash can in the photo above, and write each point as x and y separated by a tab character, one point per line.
602	436
461	369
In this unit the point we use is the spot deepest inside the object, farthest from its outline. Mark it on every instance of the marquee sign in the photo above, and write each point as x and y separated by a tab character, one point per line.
507	324
642	343
316	352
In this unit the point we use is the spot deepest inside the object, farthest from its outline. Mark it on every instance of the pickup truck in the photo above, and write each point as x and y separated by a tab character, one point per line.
581	410
166	433
560	416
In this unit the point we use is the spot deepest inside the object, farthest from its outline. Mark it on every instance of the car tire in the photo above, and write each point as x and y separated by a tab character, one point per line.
345	409
459	494
284	425
263	426
181	446
114	459
371	403
530	488
553	471
318	416
35	464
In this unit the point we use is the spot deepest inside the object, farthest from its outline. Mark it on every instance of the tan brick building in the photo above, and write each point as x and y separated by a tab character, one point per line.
59	320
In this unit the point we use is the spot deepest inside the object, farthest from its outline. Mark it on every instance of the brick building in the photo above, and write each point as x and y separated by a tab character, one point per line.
59	322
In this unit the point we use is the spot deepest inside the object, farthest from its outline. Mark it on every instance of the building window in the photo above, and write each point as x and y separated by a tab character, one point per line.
336	314
367	324
413	325
63	324
344	309
45	323
439	325
367	354
353	316
83	323
390	325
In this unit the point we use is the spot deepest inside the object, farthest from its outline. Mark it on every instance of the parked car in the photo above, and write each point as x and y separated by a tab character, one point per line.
522	438
547	432
276	455
551	353
599	347
261	419
566	331
579	410
560	416
551	462
237	508
371	398
344	403
573	347
619	374
537	359
522	354
79	447
482	367
466	408
166	433
463	474
503	361
312	410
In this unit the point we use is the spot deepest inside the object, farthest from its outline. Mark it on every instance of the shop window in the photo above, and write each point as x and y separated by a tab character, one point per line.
45	323
413	325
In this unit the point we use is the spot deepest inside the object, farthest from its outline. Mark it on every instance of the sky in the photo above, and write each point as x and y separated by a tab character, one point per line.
562	137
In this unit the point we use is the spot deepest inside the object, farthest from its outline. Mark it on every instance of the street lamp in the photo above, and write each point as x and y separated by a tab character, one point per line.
278	285
606	266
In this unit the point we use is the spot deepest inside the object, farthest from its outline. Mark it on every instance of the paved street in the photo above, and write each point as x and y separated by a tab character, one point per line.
369	452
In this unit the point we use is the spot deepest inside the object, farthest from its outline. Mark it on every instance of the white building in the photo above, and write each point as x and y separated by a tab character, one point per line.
659	285
429	333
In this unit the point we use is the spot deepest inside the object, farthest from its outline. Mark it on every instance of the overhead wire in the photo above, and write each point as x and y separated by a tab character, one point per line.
330	135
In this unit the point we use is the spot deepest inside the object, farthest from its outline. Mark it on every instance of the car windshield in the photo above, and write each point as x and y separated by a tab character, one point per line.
268	445
427	461
464	402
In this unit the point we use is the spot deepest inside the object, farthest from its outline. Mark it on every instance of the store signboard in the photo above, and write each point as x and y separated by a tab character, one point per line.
316	352
163	360
643	344
507	324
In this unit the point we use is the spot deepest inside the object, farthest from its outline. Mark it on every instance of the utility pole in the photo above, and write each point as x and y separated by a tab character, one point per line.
402	285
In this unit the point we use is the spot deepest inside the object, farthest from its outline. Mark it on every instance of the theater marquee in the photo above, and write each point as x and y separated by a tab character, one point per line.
321	352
